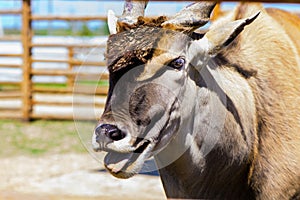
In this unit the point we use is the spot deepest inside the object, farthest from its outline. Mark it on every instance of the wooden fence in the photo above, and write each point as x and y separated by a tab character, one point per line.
24	99
83	93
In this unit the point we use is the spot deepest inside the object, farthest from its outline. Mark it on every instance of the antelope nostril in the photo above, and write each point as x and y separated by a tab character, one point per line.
115	134
112	132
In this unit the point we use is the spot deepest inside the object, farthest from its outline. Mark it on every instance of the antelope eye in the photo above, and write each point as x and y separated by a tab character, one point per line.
178	63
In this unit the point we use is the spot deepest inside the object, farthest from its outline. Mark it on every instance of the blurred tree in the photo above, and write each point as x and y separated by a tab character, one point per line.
85	31
104	29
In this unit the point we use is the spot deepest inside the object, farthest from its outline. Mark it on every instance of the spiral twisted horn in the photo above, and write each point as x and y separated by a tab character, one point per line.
192	16
132	10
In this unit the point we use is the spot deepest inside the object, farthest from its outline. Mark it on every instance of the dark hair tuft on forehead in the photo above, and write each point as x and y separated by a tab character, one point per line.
136	44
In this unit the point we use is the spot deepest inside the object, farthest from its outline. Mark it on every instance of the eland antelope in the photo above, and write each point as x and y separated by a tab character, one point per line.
217	109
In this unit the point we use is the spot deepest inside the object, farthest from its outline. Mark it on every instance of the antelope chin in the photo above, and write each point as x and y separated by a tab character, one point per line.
126	165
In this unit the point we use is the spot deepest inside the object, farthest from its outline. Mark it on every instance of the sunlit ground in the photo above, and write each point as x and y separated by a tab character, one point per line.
45	160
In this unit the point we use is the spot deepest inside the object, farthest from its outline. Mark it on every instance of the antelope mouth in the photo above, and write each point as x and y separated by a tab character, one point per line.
125	165
142	146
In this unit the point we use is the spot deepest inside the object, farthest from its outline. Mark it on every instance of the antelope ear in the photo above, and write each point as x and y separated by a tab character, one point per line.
112	22
221	36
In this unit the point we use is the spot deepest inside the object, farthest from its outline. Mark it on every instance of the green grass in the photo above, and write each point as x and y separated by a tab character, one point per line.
83	31
98	83
51	85
6	87
40	137
9	87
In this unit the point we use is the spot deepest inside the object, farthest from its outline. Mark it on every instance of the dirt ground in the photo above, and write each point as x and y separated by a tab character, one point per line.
70	177
45	160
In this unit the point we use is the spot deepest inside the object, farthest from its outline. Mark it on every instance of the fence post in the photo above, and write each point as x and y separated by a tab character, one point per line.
26	42
70	82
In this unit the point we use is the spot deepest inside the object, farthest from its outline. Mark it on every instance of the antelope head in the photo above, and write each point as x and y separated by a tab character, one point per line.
153	64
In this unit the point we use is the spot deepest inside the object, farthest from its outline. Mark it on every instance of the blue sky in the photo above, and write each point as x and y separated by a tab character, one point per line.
71	7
